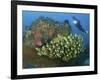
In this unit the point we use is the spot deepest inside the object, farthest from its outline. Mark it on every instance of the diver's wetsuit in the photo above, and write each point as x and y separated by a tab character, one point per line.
78	25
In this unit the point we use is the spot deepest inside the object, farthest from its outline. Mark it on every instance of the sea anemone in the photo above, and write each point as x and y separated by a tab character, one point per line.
62	47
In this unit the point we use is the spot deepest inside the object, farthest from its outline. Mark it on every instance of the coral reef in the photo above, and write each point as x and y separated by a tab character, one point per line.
64	47
43	30
53	39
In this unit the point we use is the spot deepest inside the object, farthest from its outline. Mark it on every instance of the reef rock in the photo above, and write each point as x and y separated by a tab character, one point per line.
43	30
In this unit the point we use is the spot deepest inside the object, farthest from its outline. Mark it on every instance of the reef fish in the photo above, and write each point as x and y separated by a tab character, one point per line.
78	25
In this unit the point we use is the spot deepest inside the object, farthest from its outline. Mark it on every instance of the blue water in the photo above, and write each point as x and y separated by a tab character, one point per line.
30	16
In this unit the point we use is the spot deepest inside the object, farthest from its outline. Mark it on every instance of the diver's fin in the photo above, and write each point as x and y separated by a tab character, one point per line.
75	18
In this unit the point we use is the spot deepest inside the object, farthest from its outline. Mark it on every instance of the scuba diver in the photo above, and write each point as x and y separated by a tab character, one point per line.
78	25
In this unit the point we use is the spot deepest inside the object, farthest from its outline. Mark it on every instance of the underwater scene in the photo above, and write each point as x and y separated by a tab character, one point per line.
55	39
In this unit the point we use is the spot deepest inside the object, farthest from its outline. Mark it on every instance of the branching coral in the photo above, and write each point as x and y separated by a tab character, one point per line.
62	47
